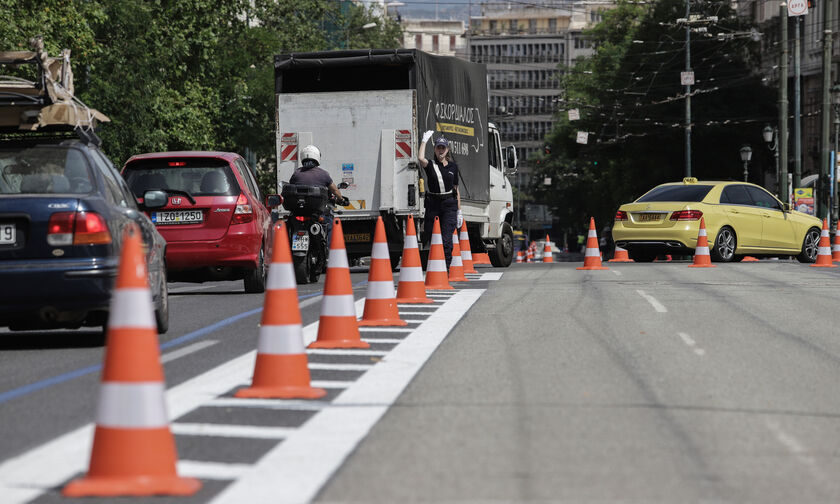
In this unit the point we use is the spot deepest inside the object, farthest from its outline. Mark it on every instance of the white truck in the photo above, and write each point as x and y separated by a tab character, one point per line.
366	110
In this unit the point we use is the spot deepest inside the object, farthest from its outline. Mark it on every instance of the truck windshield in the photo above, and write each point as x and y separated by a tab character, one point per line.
676	193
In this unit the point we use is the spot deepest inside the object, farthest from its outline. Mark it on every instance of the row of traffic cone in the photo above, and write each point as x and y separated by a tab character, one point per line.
133	451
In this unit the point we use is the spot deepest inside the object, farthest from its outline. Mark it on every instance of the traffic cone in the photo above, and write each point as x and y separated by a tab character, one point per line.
481	258
436	275
381	300
466	253
621	255
412	287
520	256
749	259
529	256
133	449
824	254
456	267
547	250
835	249
702	259
592	255
337	327
281	370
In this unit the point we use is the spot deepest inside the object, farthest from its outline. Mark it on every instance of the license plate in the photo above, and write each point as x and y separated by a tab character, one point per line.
300	242
648	217
178	217
7	234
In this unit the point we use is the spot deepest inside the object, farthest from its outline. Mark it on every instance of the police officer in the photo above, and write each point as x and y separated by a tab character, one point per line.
442	197
311	173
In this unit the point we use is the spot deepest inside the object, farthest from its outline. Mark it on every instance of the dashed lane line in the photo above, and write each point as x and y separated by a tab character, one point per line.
688	340
659	307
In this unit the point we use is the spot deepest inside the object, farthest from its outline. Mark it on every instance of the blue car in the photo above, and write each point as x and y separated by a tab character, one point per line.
63	210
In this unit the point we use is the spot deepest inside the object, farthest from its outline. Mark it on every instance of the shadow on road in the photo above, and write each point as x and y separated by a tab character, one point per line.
37	340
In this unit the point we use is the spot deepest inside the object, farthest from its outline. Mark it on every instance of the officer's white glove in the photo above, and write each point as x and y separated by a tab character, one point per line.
460	219
427	135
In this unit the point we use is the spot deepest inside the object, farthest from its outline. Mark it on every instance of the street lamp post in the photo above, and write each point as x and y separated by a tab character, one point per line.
771	138
746	155
835	94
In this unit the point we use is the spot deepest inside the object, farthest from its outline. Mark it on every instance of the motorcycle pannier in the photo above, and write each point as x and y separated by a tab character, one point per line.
304	199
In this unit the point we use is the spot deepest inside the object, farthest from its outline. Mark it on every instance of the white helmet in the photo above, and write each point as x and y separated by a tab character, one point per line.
310	152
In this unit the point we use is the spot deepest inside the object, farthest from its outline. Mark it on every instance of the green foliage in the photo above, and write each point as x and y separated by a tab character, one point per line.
632	104
188	74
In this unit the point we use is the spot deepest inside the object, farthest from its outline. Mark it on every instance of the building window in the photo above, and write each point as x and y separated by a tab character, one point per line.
435	45
532	26
452	42
418	41
552	25
514	25
493	26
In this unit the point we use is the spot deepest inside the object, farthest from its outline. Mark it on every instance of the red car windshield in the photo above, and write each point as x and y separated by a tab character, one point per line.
198	177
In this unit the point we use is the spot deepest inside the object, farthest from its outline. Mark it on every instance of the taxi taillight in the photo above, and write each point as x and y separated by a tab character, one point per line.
683	215
621	215
243	213
77	228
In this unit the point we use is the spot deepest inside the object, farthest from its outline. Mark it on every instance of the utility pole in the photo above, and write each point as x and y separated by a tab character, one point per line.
688	89
781	139
822	195
797	106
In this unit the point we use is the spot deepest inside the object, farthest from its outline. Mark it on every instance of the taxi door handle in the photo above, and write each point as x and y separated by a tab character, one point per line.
734	211
767	216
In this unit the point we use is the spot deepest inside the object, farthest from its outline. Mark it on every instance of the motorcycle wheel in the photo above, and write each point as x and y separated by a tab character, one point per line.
301	268
316	265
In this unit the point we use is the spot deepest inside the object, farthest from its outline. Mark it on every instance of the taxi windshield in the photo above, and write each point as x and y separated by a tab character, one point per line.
676	193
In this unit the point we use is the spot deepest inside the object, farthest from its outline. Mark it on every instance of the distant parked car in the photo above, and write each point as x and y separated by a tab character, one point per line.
63	209
210	212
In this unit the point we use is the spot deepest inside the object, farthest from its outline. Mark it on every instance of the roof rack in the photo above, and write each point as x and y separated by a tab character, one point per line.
36	94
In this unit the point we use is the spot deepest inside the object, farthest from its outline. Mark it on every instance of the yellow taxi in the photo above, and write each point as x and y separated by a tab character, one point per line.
741	219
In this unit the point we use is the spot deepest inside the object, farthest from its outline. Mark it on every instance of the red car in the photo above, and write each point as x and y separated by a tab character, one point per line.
212	216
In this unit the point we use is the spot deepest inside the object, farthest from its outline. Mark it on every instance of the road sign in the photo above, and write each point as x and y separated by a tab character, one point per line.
797	7
582	137
574	114
687	78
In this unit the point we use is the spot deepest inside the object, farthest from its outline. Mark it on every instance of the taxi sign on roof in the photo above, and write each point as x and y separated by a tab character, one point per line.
690	180
797	7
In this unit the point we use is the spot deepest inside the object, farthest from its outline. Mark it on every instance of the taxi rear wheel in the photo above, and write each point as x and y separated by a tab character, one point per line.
724	246
810	246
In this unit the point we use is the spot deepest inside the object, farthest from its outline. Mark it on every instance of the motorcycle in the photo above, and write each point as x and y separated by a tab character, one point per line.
308	210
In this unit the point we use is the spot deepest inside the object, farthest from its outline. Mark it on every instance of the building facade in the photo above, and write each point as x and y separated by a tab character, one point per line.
526	49
443	37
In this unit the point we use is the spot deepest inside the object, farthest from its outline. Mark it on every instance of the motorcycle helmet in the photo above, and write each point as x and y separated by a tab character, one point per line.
310	152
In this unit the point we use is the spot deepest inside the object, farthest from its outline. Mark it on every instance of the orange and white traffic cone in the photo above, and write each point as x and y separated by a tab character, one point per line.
338	327
481	258
381	300
824	254
547	250
592	254
456	267
835	249
702	259
281	370
412	286
133	450
749	259
466	253
529	256
436	275
520	256
621	255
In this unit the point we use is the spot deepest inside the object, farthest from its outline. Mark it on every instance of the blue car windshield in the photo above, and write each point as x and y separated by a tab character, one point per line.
44	170
676	193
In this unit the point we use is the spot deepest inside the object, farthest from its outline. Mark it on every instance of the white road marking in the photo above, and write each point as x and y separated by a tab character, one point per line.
344	351
693	344
237	431
795	447
211	470
491	276
652	300
339	367
195	347
296	469
382	340
415	313
616	272
386	329
329	383
292	404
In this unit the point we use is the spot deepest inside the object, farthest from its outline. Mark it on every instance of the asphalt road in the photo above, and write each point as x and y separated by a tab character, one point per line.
644	382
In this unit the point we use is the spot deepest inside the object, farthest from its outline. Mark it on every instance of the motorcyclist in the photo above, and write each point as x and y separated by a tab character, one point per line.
311	173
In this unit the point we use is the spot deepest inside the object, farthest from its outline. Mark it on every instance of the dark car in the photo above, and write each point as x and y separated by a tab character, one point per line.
63	211
214	221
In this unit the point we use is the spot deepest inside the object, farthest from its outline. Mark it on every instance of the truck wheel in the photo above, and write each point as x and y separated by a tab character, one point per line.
502	255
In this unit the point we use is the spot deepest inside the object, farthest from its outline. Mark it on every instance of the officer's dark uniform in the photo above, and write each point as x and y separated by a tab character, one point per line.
441	202
312	174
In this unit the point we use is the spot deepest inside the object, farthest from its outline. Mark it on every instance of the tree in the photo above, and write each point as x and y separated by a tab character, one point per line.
632	105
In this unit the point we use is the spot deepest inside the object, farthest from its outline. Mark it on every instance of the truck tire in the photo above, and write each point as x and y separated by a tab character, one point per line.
502	255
